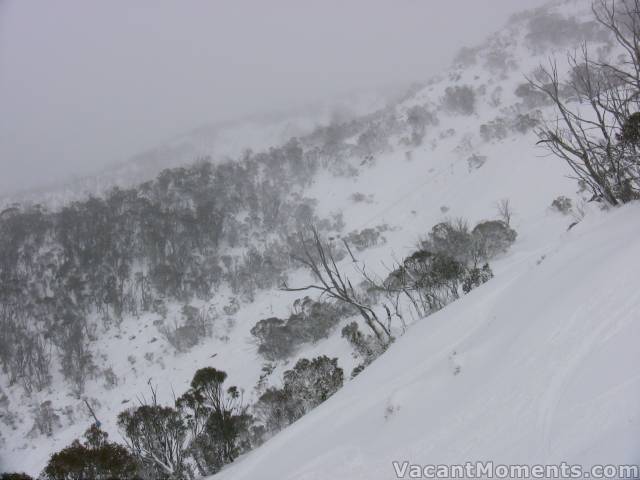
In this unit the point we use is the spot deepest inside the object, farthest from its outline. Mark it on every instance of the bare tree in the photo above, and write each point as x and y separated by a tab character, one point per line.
595	130
504	210
319	258
624	24
392	303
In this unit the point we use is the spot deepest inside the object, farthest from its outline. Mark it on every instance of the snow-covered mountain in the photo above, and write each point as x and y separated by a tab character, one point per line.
537	365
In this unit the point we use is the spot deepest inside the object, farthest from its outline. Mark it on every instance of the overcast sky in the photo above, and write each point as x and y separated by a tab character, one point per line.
86	83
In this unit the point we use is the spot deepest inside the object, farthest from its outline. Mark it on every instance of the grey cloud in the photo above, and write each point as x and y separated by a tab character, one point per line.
87	83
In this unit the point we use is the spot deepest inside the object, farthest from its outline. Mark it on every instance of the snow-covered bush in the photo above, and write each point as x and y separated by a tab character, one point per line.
305	386
310	321
494	130
476	161
492	237
194	325
497	58
547	29
531	97
452	238
526	122
418	118
275	409
363	239
485	241
366	347
475	277
562	204
313	381
373	140
359	197
273	338
459	100
499	128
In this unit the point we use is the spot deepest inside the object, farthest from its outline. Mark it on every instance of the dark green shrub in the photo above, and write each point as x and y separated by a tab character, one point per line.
95	459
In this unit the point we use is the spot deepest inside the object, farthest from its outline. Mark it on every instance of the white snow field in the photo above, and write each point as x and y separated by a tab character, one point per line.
548	372
538	365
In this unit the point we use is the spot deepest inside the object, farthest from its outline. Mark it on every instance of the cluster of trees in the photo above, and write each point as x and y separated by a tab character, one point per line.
453	259
372	133
547	29
63	273
206	428
96	458
321	258
305	386
194	325
94	261
530	97
497	57
366	238
501	127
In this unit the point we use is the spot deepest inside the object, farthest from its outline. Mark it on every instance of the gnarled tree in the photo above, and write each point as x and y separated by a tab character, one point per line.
595	130
319	258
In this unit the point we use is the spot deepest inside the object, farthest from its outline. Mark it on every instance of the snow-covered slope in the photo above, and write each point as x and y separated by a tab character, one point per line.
218	142
537	365
547	355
